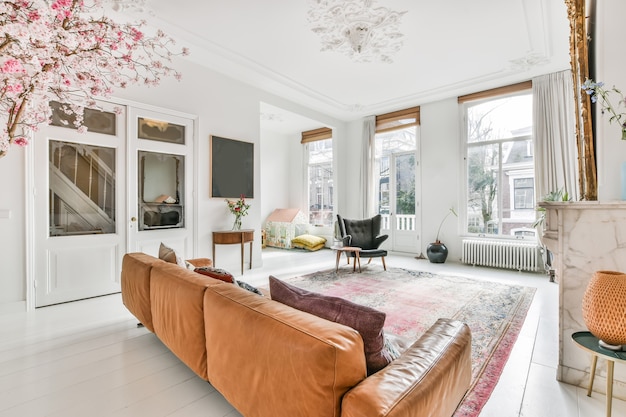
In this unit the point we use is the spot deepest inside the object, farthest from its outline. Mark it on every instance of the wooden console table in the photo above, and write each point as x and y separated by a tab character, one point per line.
231	237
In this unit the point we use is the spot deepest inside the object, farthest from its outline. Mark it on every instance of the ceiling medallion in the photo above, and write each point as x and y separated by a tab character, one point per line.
530	60
356	28
272	117
128	5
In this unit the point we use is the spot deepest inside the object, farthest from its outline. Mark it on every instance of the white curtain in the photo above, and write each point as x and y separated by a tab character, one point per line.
556	163
368	156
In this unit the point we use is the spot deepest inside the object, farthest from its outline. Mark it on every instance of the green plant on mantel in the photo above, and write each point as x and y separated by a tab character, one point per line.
560	195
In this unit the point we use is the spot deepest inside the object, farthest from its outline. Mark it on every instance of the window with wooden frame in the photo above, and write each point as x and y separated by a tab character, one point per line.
319	154
499	161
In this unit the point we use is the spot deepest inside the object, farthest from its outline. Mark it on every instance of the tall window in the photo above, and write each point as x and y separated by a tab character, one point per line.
500	166
319	149
396	142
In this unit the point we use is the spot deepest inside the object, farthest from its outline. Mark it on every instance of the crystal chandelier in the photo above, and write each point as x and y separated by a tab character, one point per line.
356	28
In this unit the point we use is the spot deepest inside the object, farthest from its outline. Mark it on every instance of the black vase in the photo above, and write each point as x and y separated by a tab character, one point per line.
437	252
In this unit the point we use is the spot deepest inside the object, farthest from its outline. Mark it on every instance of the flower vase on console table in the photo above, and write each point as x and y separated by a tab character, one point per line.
237	223
239	208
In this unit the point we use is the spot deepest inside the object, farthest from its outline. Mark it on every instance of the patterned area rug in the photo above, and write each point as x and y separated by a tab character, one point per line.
414	300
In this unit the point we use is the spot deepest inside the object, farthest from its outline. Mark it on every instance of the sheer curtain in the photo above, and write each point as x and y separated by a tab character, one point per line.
366	173
554	124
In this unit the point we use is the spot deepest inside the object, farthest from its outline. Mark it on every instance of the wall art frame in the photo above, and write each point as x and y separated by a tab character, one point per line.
232	168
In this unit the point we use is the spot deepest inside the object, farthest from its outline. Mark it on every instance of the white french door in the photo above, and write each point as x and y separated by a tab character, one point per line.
160	182
403	217
398	186
79	207
126	185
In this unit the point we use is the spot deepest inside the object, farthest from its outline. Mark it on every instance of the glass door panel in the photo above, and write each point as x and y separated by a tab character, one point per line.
82	189
405	192
161	190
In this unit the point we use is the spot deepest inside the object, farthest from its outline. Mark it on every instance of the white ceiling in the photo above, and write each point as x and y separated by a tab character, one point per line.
450	47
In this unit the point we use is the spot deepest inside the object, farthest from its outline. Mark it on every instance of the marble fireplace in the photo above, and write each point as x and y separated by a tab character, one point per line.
585	237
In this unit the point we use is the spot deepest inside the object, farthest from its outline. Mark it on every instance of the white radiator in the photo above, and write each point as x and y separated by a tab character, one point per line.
523	256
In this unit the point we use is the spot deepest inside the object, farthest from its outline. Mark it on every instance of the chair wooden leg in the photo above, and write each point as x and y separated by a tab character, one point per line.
384	265
369	260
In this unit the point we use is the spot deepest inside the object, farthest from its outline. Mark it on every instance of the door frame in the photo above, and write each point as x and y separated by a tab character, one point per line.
29	159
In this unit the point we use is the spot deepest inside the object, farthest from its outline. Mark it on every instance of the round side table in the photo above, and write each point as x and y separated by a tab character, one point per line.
588	342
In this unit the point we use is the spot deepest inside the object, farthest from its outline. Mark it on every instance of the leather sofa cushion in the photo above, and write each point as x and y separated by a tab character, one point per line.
135	283
429	379
176	295
269	359
198	263
367	321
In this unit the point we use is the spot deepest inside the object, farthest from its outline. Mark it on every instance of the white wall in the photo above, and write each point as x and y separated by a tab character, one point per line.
441	163
348	154
12	231
275	172
610	64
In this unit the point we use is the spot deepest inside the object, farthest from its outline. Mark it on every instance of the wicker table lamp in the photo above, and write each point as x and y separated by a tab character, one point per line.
604	308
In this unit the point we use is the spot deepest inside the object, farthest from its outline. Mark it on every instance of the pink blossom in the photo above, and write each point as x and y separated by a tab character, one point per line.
136	34
58	4
20	141
12	66
76	63
14	88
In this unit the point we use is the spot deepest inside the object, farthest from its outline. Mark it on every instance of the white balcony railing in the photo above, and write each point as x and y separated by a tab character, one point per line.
403	222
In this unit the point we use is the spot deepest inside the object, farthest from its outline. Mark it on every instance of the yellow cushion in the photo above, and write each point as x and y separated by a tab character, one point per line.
309	242
311	248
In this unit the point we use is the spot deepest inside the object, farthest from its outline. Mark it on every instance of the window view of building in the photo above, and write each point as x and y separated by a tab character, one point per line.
500	166
320	169
395	169
395	174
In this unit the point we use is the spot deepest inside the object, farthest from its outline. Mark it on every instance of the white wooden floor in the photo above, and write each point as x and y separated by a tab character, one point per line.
89	358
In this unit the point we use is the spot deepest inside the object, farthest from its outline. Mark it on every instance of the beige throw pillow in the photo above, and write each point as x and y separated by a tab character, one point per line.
169	255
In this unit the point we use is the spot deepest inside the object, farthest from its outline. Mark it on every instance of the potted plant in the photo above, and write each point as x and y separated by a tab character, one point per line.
436	251
546	255
559	195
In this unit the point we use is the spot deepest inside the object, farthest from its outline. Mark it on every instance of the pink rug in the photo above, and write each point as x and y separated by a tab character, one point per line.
414	300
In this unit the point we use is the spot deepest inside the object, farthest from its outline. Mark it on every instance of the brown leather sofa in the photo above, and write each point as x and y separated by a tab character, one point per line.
270	360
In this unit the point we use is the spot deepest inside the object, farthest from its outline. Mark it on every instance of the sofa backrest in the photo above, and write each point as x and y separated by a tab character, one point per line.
135	283
269	359
176	298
